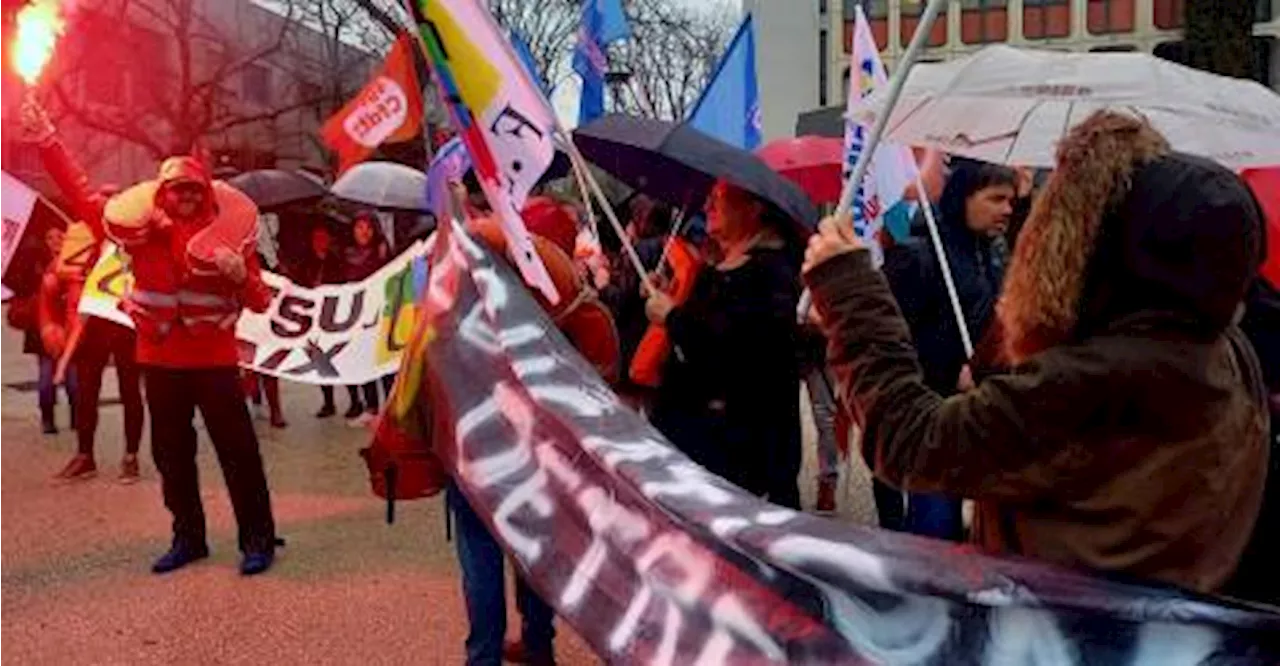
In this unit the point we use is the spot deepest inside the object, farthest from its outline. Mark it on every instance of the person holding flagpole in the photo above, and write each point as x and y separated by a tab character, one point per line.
89	344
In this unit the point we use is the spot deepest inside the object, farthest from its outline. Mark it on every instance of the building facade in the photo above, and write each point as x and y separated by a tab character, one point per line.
124	65
802	57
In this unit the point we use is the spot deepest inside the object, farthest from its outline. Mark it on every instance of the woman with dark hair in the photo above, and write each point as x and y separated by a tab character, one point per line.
322	266
974	211
367	253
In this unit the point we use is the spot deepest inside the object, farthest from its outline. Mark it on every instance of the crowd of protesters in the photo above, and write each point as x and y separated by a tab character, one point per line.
1112	416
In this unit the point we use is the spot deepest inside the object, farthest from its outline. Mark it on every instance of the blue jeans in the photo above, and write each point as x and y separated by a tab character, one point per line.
936	516
48	392
823	403
484	587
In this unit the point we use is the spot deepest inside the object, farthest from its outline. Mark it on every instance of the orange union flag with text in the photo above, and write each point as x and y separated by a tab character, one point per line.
387	110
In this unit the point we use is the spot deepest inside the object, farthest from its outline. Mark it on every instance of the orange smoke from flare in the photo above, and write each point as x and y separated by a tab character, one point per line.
39	25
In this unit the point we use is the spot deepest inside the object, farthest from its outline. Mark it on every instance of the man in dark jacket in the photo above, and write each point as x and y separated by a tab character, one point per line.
974	210
1130	435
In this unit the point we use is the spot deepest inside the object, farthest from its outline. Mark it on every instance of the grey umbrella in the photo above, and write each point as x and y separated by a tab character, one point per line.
272	188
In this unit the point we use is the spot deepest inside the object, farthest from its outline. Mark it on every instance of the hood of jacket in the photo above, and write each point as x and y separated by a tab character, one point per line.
183	169
1128	230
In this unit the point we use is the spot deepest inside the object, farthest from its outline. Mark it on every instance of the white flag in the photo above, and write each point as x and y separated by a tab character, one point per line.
502	116
18	202
892	168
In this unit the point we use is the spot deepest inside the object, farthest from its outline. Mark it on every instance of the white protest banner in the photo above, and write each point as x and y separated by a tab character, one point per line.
18	202
349	333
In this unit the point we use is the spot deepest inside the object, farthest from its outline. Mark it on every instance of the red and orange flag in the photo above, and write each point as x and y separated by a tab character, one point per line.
387	110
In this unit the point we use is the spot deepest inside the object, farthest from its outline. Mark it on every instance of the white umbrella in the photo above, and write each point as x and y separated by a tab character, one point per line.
1011	106
383	185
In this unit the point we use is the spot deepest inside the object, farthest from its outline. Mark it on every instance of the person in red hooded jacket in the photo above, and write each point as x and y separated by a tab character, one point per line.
190	242
101	341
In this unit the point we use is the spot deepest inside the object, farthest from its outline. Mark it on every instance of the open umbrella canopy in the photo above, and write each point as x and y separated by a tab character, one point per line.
1266	186
814	163
271	188
384	185
679	165
1011	106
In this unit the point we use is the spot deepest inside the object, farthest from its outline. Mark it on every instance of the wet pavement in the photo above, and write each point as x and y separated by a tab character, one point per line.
347	589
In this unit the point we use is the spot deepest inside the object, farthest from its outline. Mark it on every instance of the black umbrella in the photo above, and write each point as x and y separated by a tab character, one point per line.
271	188
679	165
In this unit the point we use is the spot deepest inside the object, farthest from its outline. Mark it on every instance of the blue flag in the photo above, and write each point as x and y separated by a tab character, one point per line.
729	108
603	22
526	58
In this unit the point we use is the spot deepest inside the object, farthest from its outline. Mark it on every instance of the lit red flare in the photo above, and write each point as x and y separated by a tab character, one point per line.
39	25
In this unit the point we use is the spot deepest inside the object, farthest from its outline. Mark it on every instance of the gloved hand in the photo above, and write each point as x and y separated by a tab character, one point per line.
36	125
230	264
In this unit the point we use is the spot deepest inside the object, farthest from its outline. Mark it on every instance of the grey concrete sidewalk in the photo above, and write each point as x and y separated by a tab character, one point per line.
348	589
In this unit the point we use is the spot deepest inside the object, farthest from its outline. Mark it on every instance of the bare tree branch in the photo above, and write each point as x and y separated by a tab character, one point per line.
190	85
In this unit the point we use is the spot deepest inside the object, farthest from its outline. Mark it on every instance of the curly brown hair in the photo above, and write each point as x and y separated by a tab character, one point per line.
1096	160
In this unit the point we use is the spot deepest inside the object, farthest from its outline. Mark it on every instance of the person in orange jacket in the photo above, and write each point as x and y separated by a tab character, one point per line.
102	341
190	242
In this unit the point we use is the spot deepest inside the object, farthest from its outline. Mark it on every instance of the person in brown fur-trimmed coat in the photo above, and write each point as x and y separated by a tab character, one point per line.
1130	434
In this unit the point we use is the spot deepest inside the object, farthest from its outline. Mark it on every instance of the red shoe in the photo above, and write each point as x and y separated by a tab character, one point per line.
514	652
277	420
80	468
826	496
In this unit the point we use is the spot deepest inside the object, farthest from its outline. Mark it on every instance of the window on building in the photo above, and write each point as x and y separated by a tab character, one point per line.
148	74
1169	14
822	67
104	85
822	7
984	21
1044	19
844	86
22	157
877	12
101	60
311	94
1109	16
256	84
874	9
910	15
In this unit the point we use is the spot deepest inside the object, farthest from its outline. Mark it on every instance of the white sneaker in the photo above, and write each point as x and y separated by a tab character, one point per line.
361	421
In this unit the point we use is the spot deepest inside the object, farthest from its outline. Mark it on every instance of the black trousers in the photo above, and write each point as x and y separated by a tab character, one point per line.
101	342
173	396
